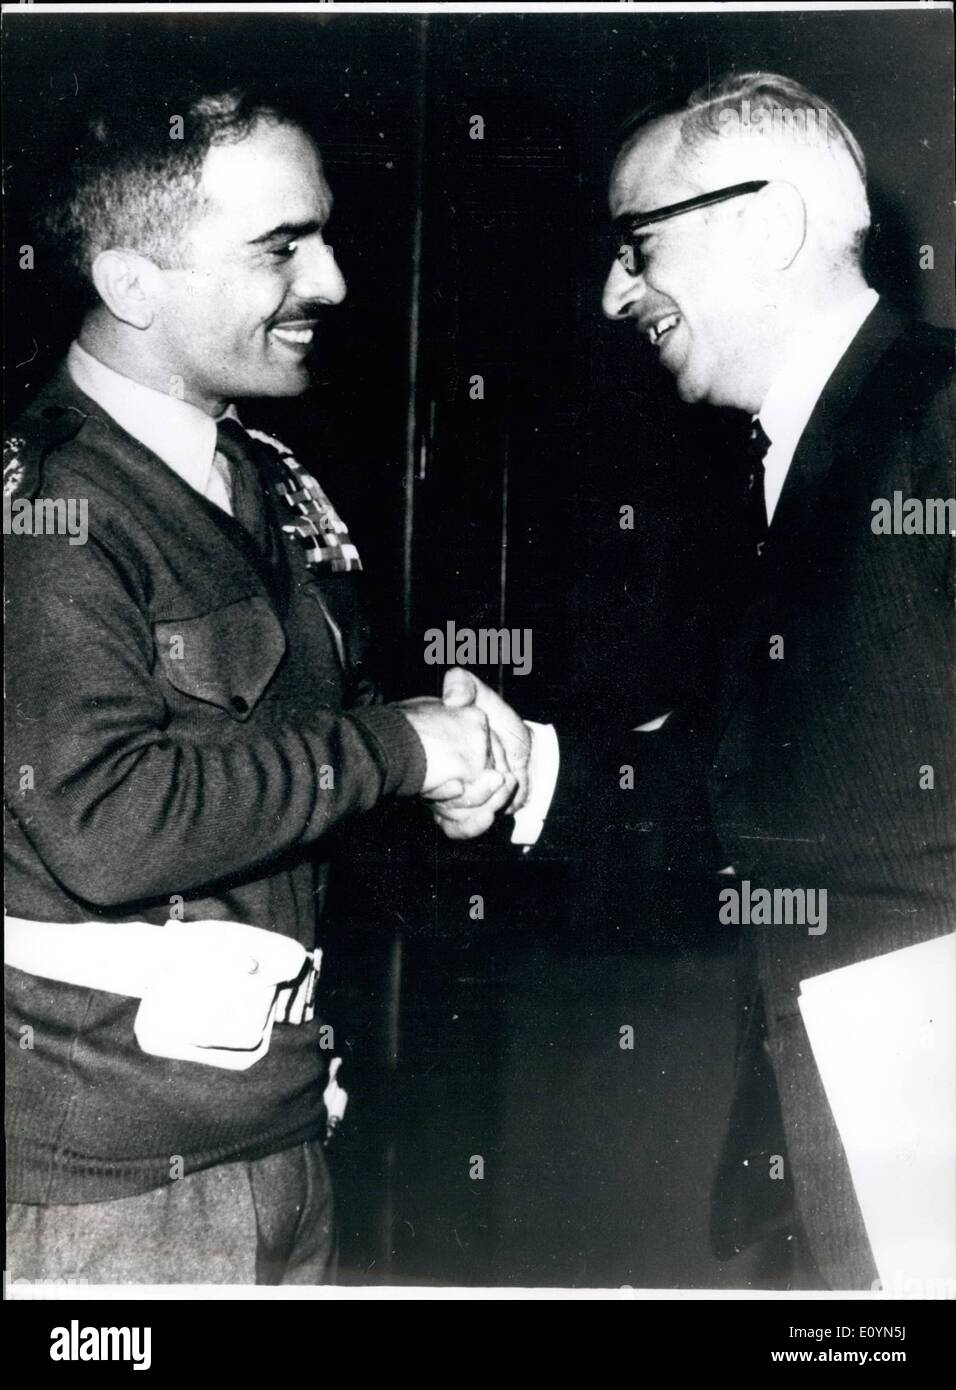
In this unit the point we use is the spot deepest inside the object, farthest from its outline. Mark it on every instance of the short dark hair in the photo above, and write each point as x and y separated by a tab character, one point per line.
135	183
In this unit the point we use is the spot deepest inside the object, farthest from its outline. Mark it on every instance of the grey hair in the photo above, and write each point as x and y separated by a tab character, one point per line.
834	168
785	101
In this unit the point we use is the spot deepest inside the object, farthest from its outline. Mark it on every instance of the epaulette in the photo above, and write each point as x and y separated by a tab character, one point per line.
35	435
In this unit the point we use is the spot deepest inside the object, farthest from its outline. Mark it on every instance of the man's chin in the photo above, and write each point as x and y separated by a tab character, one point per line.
689	391
689	388
275	385
692	390
298	389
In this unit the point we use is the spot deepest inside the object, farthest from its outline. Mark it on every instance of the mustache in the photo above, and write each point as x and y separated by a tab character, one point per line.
302	312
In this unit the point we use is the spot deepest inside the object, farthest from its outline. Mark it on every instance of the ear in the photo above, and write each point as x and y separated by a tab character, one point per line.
129	285
777	224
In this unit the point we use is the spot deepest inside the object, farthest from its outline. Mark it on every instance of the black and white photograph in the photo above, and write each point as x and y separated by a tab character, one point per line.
480	773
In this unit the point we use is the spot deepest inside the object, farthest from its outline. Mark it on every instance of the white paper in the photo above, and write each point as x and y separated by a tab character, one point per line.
883	1034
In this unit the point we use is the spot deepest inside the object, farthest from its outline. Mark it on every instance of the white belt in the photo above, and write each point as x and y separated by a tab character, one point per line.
211	991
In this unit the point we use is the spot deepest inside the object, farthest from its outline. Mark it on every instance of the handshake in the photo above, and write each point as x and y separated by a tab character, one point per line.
477	751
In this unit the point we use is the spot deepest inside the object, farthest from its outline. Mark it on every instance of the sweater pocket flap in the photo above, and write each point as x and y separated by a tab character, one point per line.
226	657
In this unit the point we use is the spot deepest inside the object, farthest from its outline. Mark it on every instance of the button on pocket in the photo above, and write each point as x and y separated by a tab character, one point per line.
226	658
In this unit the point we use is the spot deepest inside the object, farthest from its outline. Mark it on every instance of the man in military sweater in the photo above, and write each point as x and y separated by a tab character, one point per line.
188	715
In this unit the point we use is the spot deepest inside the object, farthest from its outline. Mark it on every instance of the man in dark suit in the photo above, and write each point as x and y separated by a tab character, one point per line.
190	715
813	751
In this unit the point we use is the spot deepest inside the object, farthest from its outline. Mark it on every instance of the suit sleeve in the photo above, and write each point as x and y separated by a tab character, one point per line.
641	794
637	795
120	809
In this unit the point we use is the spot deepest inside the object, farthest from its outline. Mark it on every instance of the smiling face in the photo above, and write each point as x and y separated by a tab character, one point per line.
238	316
696	300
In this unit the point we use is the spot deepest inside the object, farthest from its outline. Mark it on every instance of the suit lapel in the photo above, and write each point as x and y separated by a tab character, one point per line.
814	454
807	522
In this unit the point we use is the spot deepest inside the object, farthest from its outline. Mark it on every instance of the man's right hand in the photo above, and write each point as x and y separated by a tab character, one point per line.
457	743
464	688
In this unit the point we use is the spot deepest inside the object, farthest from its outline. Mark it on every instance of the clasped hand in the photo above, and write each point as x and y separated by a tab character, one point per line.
477	751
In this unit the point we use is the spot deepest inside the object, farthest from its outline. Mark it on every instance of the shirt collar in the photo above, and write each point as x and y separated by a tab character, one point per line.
179	433
799	383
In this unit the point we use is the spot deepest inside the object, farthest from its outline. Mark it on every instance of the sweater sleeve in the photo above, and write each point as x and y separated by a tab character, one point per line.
120	808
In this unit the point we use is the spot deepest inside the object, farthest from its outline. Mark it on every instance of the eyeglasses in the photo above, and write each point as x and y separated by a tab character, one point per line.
628	226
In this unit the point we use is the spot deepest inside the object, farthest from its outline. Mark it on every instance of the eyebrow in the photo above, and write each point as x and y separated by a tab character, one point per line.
288	231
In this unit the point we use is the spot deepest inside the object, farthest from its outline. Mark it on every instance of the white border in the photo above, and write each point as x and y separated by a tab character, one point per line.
494	7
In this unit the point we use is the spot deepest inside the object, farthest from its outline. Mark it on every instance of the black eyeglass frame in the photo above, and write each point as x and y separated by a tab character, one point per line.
629	224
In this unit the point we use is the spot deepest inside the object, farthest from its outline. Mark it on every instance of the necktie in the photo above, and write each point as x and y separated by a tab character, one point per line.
248	501
755	502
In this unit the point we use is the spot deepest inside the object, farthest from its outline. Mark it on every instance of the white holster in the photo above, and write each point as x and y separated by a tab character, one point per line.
211	991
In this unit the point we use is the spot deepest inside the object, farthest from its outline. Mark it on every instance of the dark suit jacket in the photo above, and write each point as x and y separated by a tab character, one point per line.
806	771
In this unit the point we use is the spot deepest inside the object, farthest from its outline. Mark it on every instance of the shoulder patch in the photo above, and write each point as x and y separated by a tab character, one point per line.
35	435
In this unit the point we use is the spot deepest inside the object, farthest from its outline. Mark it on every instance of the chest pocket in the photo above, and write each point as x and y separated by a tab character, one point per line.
226	658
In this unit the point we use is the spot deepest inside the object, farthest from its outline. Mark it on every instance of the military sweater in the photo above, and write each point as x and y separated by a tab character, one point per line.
187	720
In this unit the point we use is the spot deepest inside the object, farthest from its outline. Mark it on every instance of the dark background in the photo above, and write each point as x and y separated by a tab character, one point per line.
499	1038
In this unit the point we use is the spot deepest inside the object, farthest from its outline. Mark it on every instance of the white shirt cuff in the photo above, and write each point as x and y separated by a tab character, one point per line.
543	776
652	725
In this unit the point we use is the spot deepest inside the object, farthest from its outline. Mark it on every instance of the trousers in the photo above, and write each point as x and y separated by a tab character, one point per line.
266	1221
783	1186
